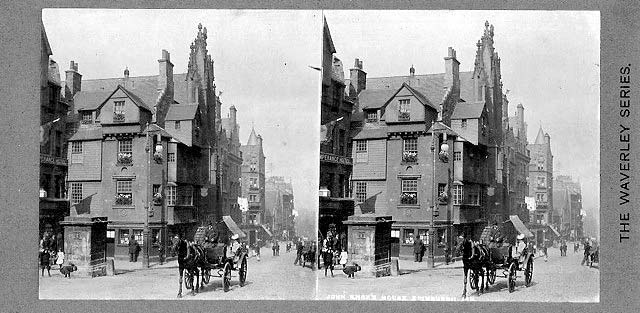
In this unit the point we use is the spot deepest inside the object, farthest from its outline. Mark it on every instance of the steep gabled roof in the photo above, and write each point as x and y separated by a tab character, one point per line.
540	137
91	100
253	138
181	112
375	99
465	110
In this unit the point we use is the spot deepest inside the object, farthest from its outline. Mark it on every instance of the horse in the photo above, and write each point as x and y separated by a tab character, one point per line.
188	259
474	258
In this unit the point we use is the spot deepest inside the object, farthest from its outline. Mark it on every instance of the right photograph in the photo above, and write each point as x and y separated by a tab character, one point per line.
459	156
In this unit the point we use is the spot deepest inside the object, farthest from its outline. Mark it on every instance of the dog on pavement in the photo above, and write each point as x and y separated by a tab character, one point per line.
351	269
67	269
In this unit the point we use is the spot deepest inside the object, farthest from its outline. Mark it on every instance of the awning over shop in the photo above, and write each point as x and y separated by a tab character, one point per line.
267	231
554	231
517	223
233	227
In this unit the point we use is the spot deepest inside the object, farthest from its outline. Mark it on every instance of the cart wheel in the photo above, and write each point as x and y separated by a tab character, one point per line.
473	280
491	276
243	271
226	279
528	272
512	276
188	280
206	275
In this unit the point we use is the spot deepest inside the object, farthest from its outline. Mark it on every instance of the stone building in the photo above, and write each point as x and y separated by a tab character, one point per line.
279	207
393	171
253	188
143	150
567	202
335	150
230	160
516	158
541	178
53	204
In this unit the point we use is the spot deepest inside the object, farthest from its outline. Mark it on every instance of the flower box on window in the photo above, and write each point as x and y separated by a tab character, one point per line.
443	197
409	198
125	159
404	116
86	122
444	156
409	156
157	198
118	117
124	199
157	156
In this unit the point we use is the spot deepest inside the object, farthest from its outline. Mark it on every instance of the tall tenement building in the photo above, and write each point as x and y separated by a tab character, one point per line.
541	178
429	148
53	205
336	164
146	147
253	188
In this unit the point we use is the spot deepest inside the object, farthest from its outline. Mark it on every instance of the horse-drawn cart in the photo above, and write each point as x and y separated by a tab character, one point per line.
499	255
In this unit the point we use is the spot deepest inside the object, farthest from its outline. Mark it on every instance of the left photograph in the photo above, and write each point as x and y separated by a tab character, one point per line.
176	157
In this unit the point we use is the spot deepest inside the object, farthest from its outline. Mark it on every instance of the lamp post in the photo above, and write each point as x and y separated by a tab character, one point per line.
148	209
444	148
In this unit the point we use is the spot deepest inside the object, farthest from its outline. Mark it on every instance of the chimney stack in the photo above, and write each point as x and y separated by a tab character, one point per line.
452	71
358	79
232	115
165	79
412	71
73	82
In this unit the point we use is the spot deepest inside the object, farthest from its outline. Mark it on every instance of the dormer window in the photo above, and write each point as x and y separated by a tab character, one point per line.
177	125
118	111
404	110
463	123
372	116
87	118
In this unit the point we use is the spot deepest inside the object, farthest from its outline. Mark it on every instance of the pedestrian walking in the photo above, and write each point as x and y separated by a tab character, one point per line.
277	248
587	250
161	252
134	249
418	249
299	247
257	247
44	257
60	258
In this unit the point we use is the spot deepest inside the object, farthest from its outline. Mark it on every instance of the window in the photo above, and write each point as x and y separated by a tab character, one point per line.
361	151
408	236
125	152
361	191
111	234
171	157
541	197
170	193
86	117
424	235
395	233
457	194
473	196
118	107
442	192
253	198
138	236
155	236
252	167
404	110
410	150
76	192
124	192
372	116
185	195
409	193
124	237
541	181
341	140
463	123
253	182
76	147
177	125
457	156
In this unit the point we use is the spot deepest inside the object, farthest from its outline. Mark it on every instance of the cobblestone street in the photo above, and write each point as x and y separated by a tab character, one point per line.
272	278
561	279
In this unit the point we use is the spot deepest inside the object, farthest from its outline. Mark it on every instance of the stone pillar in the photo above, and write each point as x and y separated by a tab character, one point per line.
369	242
85	244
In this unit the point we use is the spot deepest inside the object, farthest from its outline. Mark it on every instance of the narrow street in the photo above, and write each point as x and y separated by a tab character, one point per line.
272	277
560	279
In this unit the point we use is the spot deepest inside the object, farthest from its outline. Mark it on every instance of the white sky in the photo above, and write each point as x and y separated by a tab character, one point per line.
550	62
261	64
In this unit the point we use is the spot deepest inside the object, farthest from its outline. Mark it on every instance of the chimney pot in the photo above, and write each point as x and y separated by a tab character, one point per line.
357	63
166	55
360	64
